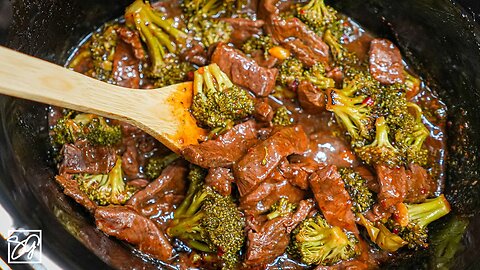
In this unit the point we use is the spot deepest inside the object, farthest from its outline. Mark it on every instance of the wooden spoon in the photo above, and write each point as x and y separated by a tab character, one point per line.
162	112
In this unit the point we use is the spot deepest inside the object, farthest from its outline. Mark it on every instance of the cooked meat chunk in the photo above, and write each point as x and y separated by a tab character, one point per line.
332	198
299	39
220	179
311	99
260	160
126	224
71	189
162	195
133	39
84	158
244	71
125	66
272	238
386	62
326	147
263	112
297	173
226	149
196	54
130	165
243	29
393	184
419	185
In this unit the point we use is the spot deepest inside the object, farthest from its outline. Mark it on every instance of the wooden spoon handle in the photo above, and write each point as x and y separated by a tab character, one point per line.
31	78
163	113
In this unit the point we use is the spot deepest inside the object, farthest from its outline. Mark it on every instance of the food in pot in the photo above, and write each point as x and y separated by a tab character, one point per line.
324	148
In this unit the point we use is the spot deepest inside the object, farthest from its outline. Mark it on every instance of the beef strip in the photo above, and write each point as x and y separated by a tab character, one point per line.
308	47
226	149
220	179
195	53
326	147
261	159
243	29
130	164
159	199
311	99
244	71
125	71
419	185
70	188
332	198
271	239
263	112
297	173
393	184
386	62
133	39
269	192
84	158
263	60
126	224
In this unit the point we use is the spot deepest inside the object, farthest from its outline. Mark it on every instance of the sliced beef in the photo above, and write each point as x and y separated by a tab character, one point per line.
83	158
326	147
243	29
133	39
195	53
244	71
419	185
393	185
299	39
386	62
70	188
367	174
263	112
220	179
130	164
159	199
266	61
311	99
126	224
260	199
126	71
271	239
260	160
332	198
297	173
226	149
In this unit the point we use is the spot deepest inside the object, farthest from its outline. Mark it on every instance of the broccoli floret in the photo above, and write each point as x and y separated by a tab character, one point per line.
317	15
263	43
381	236
173	72
160	34
316	75
68	128
85	126
217	101
156	165
211	31
105	189
419	216
281	208
341	56
209	222
314	241
381	150
291	72
204	9
98	132
410	138
356	186
102	49
282	117
352	112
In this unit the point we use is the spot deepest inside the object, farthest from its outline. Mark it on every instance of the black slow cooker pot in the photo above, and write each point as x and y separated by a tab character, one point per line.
438	38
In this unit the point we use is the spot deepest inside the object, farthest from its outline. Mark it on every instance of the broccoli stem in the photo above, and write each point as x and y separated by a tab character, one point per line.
432	209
